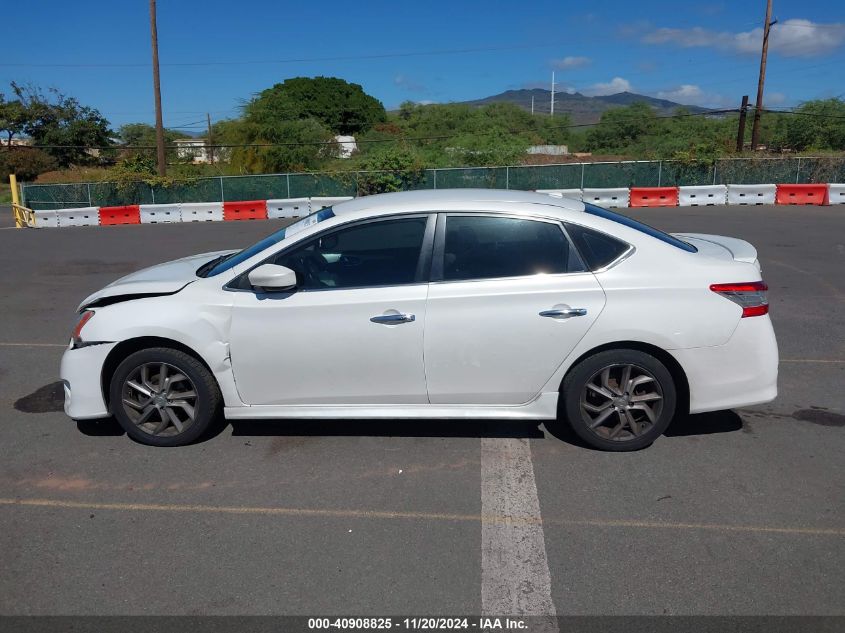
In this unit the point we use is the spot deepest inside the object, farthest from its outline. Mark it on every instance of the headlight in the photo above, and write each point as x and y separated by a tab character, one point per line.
76	336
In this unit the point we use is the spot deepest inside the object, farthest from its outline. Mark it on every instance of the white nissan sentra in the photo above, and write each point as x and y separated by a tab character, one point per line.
434	304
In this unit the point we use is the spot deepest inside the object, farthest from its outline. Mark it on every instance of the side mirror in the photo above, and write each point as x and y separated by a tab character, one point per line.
272	278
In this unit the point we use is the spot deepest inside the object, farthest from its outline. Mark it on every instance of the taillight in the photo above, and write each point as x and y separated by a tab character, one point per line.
77	331
751	296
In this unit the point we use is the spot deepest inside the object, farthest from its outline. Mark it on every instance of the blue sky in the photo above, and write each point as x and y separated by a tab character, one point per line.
217	54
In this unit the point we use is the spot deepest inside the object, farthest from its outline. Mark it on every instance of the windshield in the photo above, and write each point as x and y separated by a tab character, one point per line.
639	226
226	262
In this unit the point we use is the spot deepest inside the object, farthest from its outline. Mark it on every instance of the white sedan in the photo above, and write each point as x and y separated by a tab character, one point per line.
462	304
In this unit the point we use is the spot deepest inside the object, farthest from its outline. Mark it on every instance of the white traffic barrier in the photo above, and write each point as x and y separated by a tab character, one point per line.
201	211
575	194
320	202
85	216
836	193
607	197
288	208
751	194
46	219
161	213
702	195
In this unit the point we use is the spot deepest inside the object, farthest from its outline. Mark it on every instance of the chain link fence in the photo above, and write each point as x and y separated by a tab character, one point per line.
562	176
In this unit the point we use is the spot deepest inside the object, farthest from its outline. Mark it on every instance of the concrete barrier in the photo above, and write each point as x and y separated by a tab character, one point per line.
318	202
161	213
201	211
288	208
702	195
84	216
604	197
575	194
751	194
836	193
46	219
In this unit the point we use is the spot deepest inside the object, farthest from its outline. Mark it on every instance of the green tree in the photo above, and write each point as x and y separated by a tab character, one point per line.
25	162
13	119
620	128
63	127
390	168
816	125
143	134
342	107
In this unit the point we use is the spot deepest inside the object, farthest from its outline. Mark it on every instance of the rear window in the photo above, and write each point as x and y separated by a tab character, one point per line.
639	226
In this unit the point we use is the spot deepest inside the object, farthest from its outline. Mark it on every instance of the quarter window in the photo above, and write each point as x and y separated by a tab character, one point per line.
485	247
383	253
598	249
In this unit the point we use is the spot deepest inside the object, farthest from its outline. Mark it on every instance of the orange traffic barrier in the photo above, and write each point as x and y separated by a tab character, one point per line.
802	194
248	210
654	197
130	214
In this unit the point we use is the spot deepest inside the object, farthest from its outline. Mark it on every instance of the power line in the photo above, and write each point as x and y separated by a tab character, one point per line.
294	60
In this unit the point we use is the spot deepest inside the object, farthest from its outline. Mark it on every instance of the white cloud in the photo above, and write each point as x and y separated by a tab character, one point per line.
617	84
691	94
569	62
406	83
774	98
790	38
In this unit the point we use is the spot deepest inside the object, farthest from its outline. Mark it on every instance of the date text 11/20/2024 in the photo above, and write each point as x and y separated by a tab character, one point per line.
418	623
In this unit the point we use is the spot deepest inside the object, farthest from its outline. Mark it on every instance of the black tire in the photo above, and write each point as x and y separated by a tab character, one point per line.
616	433
205	405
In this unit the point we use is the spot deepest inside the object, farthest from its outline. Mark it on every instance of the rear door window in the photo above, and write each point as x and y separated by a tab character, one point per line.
487	247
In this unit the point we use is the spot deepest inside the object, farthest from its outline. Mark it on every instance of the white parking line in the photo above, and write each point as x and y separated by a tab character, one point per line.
515	577
33	344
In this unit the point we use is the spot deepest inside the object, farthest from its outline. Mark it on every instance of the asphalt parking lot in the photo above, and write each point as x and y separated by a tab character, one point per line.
736	512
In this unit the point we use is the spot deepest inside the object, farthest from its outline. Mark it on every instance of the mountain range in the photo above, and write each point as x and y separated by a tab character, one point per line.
581	108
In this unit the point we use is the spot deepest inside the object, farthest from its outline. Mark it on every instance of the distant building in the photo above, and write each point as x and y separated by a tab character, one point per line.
549	150
193	149
347	146
16	142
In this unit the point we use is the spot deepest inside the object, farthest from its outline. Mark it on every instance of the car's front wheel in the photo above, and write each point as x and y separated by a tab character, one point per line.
163	397
619	400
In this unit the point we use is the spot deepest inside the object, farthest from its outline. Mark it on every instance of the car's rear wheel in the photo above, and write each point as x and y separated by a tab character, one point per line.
619	400
163	397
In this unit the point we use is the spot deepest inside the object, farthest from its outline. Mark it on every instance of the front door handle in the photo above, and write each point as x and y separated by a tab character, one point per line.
392	319
564	313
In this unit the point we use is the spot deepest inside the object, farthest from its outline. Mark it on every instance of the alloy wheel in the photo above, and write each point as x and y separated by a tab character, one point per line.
621	402
159	399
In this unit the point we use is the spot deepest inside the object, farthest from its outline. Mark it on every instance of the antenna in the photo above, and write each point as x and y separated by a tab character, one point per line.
552	109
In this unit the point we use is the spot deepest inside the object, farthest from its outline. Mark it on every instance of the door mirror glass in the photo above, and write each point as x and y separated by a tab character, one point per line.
272	278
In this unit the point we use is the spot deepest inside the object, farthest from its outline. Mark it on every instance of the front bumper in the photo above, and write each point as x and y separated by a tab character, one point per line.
740	373
80	372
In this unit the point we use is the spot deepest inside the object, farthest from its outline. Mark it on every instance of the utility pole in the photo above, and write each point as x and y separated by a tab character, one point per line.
552	108
740	132
532	104
210	144
162	164
758	108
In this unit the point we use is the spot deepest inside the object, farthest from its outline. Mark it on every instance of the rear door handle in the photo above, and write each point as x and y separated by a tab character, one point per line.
564	313
400	317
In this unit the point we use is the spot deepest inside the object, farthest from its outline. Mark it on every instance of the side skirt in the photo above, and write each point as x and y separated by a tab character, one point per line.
544	407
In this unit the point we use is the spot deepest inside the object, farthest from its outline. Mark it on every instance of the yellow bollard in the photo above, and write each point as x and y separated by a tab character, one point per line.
13	182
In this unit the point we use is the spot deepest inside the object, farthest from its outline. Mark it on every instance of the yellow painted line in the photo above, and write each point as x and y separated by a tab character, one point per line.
33	344
431	516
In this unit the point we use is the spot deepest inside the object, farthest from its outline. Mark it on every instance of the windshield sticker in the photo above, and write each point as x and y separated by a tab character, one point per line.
311	220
